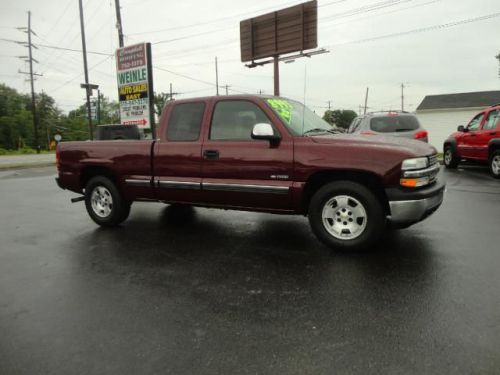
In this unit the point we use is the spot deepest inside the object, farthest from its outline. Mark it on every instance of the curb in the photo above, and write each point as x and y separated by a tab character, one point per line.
25	166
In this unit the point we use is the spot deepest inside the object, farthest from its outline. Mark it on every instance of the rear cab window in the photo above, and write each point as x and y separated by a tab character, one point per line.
393	124
184	123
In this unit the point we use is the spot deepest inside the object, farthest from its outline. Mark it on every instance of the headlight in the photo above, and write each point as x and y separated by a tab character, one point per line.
417	163
418	172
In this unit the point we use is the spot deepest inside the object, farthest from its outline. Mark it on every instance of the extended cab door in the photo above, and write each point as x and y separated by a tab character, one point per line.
488	131
177	156
467	144
239	171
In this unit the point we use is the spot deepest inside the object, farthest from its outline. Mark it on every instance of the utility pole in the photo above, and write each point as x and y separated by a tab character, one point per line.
119	22
329	105
498	58
216	77
88	89
32	79
276	76
402	97
227	89
172	94
366	100
98	109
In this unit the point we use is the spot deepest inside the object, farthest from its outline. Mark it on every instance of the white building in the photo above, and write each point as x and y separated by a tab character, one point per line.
440	115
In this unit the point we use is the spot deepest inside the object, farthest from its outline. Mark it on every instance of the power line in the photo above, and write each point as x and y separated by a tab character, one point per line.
421	30
75	50
211	21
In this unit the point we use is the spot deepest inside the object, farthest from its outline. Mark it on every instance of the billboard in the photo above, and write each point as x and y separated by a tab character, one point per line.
135	85
288	30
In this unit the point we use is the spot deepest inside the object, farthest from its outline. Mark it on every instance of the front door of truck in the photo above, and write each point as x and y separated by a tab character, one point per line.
468	143
239	171
488	131
177	157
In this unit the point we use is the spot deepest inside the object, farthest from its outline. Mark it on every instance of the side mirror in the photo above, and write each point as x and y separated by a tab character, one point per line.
264	131
461	128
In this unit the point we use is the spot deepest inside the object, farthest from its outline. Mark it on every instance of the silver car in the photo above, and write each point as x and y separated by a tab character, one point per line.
397	124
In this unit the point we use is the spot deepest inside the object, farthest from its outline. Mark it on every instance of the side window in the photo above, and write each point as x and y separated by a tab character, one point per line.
476	121
492	120
234	120
185	121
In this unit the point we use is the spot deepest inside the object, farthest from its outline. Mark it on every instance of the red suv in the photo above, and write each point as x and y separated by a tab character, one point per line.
479	141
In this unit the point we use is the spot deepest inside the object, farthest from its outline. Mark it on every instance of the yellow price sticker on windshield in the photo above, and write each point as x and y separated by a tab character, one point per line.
283	107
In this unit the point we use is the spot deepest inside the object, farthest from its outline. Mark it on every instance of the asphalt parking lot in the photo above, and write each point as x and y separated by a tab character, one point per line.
199	291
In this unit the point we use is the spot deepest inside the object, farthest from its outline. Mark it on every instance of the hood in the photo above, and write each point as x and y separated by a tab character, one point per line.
403	145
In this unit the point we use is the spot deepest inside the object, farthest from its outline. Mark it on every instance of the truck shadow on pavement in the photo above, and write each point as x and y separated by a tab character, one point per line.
210	242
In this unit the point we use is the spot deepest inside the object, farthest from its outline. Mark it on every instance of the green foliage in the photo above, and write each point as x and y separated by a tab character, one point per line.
16	120
160	99
341	118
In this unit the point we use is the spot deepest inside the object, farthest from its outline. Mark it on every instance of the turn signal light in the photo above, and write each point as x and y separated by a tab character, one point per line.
421	134
414	182
409	182
367	132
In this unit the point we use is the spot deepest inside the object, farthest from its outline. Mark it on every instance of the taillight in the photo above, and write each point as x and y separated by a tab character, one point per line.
58	157
421	134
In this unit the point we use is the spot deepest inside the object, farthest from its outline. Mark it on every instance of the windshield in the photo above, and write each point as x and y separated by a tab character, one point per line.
392	124
298	118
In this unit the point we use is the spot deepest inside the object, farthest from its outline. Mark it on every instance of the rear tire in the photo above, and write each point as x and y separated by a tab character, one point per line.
346	216
105	205
449	158
495	164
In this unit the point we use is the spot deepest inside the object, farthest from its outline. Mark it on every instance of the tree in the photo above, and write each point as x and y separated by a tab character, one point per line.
160	99
341	118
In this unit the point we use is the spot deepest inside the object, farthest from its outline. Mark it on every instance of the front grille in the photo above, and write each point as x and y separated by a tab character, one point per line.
433	159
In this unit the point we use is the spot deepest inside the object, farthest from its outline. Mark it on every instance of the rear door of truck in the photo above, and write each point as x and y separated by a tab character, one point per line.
177	155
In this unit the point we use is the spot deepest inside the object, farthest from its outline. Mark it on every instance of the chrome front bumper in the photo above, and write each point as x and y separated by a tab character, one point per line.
407	208
410	212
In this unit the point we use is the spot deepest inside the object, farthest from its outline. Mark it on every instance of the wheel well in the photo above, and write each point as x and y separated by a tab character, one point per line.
369	180
91	171
492	148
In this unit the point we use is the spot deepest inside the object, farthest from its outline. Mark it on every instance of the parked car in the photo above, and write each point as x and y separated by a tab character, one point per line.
117	132
393	123
478	141
263	154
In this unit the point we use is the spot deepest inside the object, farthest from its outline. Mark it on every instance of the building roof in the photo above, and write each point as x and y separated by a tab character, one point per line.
461	100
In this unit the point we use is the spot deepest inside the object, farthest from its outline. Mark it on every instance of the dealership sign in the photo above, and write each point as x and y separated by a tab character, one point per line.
135	85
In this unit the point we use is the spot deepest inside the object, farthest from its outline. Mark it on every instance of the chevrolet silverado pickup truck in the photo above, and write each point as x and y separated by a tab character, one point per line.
257	153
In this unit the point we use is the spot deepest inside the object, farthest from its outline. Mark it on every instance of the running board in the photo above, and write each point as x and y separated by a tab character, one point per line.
78	199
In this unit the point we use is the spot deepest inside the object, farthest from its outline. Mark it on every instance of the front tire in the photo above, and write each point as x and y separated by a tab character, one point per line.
346	216
450	160
495	164
104	203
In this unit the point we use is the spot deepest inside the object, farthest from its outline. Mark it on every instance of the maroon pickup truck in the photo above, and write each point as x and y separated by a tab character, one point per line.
264	154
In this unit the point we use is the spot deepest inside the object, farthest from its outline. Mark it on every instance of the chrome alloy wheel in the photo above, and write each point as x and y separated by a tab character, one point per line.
495	165
101	201
344	217
448	156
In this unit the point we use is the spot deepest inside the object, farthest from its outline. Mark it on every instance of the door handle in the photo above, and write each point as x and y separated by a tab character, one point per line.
211	154
473	134
493	133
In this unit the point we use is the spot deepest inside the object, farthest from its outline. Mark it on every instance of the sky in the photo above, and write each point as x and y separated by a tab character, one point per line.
430	46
